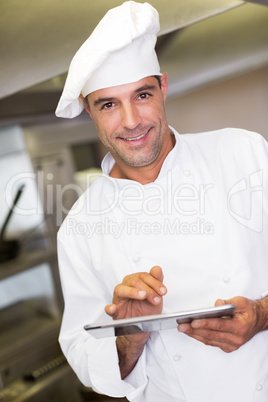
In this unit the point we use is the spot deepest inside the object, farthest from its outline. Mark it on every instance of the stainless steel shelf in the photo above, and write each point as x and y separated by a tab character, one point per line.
26	261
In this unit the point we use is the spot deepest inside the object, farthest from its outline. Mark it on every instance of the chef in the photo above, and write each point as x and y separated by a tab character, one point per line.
191	220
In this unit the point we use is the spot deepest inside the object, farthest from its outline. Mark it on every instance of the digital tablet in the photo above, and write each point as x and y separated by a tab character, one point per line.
159	322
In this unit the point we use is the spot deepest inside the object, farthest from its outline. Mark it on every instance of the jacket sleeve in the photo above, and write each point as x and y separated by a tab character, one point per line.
95	361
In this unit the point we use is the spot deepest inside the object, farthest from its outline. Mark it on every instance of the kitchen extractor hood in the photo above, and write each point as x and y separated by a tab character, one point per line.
39	38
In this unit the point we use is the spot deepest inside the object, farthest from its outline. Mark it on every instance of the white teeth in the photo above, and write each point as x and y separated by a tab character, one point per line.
136	138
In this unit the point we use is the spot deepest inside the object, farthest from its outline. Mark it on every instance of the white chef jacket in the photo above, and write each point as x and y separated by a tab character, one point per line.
205	222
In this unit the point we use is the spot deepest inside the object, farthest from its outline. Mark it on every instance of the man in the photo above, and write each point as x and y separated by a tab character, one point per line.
175	222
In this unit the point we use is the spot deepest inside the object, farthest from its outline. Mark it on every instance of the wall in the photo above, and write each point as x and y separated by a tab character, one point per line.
240	101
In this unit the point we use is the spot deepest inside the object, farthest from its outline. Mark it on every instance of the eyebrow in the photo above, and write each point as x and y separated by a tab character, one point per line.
102	100
138	90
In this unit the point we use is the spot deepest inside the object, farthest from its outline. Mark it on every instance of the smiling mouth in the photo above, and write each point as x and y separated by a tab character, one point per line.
136	138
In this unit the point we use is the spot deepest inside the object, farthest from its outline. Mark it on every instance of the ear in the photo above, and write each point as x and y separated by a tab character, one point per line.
85	104
164	84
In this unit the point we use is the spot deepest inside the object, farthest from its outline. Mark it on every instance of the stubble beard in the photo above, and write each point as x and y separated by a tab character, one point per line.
139	157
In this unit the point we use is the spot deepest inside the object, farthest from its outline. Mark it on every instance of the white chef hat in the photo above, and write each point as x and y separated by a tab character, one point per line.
119	51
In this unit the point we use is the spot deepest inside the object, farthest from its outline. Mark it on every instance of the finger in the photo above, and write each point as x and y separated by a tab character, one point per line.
129	292
140	293
226	346
157	273
215	324
220	302
146	282
228	342
111	309
144	278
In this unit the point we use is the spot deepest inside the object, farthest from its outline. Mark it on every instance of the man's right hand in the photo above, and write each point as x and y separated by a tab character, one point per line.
138	295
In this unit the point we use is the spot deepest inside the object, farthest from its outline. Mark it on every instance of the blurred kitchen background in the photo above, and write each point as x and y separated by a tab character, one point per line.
216	56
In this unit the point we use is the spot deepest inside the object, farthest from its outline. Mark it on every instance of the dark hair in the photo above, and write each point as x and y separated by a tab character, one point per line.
158	77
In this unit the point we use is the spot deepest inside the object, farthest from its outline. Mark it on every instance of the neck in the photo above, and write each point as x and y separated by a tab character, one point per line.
143	174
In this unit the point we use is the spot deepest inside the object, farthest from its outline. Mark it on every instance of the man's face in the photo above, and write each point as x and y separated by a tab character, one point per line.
131	120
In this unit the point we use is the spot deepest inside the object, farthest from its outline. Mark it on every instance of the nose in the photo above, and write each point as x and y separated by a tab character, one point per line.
130	118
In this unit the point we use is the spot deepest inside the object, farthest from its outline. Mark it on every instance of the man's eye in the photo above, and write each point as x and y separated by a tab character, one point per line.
144	95
107	105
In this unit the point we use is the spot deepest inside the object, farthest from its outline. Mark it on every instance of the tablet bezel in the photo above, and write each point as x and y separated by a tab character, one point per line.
159	322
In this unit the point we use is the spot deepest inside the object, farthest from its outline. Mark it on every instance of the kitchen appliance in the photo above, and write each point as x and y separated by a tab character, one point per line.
10	248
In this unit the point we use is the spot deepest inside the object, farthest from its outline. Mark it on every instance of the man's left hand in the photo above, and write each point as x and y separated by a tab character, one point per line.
228	333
